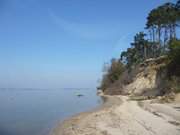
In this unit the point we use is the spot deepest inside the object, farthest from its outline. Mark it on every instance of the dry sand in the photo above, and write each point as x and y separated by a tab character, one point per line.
121	116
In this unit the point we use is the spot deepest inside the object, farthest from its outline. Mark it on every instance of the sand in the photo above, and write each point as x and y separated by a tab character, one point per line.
122	116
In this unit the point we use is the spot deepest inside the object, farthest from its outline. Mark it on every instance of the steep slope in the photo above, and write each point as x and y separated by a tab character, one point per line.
147	78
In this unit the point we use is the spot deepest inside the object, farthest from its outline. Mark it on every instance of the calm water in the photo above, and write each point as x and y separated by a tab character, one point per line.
35	112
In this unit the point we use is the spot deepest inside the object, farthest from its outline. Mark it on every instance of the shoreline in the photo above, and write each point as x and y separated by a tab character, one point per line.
107	102
119	115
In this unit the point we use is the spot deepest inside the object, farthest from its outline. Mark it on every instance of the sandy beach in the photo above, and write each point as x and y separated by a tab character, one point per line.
121	116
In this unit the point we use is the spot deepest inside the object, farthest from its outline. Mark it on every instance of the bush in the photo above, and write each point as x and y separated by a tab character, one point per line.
112	73
174	57
174	84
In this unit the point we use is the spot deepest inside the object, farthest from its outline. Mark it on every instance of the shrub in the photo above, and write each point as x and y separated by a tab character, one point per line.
112	73
174	57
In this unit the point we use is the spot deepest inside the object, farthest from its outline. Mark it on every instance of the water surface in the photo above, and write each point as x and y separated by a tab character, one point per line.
36	111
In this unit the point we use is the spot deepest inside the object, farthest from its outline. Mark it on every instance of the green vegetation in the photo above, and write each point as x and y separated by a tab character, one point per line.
161	25
139	51
174	65
112	73
160	39
174	55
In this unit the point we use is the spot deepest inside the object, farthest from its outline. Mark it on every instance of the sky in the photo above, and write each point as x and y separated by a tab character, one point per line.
64	43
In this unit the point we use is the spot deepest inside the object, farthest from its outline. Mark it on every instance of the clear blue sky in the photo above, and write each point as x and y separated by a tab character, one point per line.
64	43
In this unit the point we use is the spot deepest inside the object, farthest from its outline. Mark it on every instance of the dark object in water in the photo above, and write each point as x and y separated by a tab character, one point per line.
80	95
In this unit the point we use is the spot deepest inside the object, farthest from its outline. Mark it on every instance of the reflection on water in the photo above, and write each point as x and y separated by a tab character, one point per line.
35	112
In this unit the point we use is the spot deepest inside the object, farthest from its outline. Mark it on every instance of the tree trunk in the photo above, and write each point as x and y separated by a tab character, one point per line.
145	52
159	37
170	32
153	32
174	30
165	38
150	34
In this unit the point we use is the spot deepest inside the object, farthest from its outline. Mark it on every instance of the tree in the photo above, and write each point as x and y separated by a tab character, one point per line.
129	57
174	58
112	73
139	51
178	10
162	22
